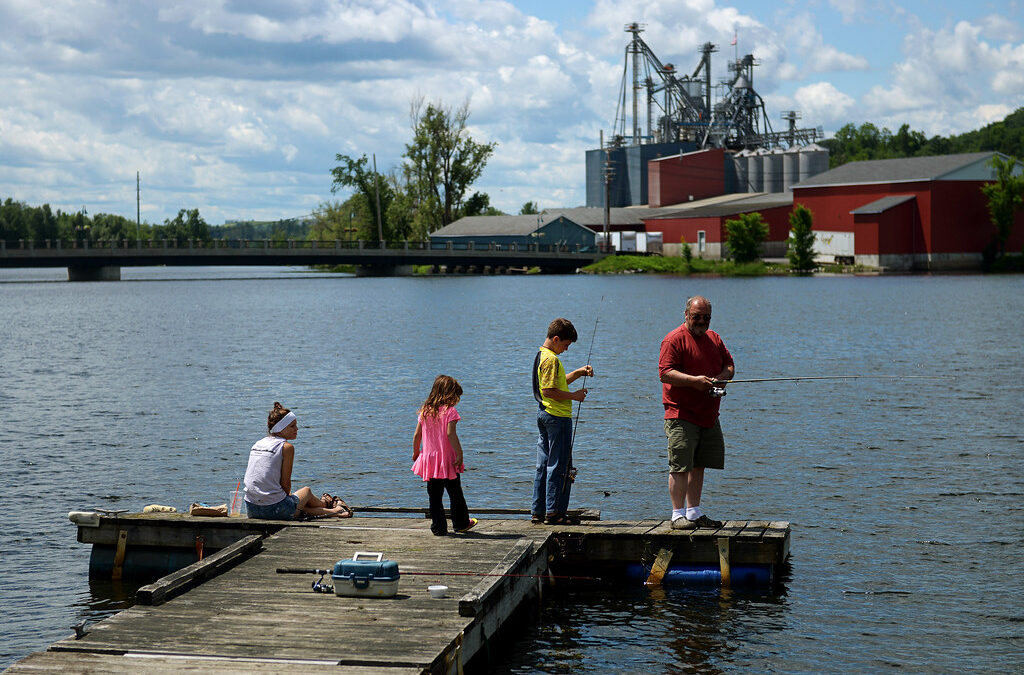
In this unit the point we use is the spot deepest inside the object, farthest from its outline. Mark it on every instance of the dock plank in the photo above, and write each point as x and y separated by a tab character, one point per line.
68	662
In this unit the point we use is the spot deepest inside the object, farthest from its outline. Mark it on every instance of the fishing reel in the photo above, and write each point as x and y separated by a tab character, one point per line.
717	391
572	474
320	587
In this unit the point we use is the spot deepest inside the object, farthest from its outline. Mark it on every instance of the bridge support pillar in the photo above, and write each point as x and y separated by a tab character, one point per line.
384	270
94	273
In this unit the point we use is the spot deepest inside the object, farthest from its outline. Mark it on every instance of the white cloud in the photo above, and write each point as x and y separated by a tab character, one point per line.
947	77
821	101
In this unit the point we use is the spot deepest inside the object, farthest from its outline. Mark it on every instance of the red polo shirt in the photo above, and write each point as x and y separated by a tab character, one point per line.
705	355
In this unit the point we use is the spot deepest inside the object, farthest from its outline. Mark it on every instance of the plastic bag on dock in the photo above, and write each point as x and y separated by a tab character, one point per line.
197	509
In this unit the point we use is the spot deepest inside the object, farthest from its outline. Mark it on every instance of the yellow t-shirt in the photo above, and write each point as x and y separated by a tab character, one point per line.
551	375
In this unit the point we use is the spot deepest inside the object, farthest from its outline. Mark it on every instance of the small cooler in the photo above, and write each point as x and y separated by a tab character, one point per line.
366	575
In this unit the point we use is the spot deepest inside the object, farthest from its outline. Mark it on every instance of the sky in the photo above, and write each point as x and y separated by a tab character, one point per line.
238	107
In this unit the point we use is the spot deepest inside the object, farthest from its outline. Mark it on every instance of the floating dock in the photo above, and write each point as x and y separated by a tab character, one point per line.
232	611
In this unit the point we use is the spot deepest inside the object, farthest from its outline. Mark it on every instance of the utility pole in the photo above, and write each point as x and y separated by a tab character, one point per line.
138	207
376	185
609	173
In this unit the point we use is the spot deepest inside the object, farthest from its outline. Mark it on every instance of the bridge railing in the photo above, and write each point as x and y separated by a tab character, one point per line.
336	244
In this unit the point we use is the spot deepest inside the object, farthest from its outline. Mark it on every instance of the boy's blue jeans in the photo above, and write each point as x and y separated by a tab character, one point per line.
554	457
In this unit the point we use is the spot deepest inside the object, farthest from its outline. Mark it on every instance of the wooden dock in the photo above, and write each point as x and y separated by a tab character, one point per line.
232	612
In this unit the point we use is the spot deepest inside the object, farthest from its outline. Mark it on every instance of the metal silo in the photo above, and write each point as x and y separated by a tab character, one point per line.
755	170
739	163
771	169
790	168
813	160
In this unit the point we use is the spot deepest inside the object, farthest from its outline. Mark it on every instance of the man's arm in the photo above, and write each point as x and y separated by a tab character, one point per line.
678	378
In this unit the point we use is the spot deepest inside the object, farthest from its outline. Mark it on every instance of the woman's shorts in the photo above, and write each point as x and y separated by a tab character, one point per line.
286	509
691	445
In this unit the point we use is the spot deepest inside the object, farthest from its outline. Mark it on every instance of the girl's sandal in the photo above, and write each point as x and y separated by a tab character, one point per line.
329	501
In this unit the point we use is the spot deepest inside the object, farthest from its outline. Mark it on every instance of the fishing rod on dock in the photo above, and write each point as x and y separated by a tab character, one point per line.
718	389
320	586
304	570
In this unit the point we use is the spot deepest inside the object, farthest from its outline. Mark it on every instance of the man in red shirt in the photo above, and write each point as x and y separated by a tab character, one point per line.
692	358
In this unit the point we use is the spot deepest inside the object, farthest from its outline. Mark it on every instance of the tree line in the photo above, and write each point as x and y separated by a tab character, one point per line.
853	144
38	223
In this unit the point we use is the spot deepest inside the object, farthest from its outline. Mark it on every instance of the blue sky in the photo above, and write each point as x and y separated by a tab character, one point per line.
238	107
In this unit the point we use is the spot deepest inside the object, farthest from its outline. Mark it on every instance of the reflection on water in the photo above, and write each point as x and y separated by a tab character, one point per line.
638	629
905	496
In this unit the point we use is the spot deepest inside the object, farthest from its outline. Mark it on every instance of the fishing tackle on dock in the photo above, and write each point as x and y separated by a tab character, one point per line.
718	389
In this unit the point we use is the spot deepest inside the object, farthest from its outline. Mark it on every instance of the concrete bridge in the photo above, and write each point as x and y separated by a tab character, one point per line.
103	260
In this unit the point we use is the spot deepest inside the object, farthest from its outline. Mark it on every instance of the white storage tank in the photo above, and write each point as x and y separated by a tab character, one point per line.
813	160
790	168
771	168
755	171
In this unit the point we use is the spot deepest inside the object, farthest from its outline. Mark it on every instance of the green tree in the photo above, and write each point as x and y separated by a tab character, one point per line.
1005	197
443	161
528	209
744	236
107	226
371	188
479	204
801	241
188	224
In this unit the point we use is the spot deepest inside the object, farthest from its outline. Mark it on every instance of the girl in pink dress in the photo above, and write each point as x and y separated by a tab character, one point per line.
437	455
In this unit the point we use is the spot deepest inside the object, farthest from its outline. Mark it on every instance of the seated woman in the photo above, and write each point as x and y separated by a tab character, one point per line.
268	478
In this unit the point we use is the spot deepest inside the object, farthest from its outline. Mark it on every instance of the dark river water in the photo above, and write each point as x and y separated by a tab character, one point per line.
905	496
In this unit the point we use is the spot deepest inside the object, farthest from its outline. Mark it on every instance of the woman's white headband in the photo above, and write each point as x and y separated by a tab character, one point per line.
283	423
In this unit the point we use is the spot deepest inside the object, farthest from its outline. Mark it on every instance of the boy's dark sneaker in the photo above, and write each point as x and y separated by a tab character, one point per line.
704	521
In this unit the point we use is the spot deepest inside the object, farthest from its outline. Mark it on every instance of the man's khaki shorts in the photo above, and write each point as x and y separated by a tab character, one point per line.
691	445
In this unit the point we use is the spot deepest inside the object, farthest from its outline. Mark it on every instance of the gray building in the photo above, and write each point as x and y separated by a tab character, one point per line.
545	230
628	185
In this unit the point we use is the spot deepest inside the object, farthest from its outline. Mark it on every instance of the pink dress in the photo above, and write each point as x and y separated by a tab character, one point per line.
437	455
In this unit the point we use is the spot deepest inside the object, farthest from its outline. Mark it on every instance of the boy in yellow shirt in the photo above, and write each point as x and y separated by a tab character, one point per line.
551	486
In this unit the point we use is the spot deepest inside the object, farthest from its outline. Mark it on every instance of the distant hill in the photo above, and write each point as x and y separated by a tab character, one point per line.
852	143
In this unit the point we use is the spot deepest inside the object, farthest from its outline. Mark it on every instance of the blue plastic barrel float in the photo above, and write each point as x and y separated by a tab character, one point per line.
695	574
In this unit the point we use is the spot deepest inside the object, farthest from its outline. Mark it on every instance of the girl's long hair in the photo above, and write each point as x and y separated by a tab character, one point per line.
445	392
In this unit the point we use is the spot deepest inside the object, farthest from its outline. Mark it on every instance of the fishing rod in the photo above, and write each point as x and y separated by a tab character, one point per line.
572	442
303	570
718	389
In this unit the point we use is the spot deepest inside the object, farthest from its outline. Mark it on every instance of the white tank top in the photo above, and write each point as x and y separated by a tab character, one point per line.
263	475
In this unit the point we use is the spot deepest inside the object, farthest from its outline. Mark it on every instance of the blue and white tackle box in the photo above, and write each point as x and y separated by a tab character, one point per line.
366	575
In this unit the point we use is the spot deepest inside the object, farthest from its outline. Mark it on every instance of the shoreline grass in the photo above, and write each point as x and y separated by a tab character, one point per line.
639	264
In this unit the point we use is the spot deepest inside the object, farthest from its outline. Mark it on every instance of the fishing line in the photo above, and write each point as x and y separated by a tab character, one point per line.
719	390
589	354
571	476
